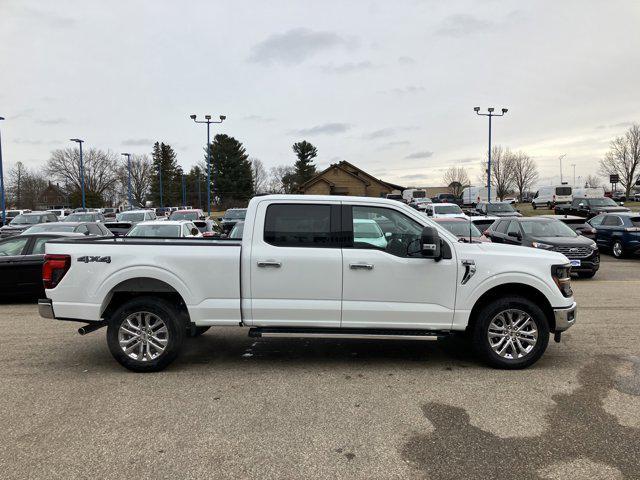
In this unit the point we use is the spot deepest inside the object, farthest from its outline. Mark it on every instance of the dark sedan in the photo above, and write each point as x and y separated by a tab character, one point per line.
549	234
497	209
578	224
618	233
21	259
26	220
231	217
590	207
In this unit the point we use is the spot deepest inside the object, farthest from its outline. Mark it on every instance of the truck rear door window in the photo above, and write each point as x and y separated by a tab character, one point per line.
289	225
563	191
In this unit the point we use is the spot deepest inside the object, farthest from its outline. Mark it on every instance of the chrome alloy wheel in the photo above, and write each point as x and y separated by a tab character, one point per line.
617	249
512	334
143	336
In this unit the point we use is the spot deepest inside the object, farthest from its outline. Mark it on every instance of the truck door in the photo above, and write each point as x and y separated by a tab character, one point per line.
296	265
11	274
384	285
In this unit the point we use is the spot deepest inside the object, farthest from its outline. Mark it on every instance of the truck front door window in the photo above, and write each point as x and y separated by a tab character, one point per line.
384	229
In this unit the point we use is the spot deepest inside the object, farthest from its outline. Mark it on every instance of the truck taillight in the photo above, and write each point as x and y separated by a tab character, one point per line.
54	268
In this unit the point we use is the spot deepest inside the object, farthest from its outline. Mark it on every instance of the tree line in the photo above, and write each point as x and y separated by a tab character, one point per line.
235	177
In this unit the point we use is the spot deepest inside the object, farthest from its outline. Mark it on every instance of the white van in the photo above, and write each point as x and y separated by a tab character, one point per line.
410	194
473	195
593	192
552	195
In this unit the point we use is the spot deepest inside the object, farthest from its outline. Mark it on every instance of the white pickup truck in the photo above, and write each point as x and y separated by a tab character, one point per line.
312	266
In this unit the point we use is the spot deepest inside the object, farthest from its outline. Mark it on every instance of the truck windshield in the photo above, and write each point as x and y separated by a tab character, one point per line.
602	202
184	216
550	228
500	207
26	220
131	217
80	217
235	214
447	209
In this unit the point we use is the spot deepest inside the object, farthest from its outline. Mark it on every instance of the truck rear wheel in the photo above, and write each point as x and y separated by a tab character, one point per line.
145	334
511	333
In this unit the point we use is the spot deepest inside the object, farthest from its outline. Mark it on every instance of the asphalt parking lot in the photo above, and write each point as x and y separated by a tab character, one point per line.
233	407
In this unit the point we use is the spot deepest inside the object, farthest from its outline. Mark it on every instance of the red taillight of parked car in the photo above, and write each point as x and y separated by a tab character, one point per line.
54	268
208	234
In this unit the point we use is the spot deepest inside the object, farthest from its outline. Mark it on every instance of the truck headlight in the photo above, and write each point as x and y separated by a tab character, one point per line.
544	246
561	275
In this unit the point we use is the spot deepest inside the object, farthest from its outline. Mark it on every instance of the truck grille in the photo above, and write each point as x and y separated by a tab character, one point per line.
574	252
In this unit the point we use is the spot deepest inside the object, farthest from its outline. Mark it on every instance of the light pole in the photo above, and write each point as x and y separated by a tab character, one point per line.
489	114
4	207
80	142
128	155
208	121
560	158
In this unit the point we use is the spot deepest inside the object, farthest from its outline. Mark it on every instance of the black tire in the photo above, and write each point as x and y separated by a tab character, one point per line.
586	274
534	205
617	250
174	336
488	312
548	205
199	331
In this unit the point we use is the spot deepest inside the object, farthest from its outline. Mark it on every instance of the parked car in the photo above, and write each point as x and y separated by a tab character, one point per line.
549	234
299	272
61	213
162	212
125	220
396	196
209	228
411	194
552	195
473	195
109	212
164	229
497	209
588	192
236	231
636	197
84	228
465	230
23	221
482	222
368	232
446	198
619	233
420	203
85	217
447	210
579	225
187	215
11	214
590	207
231	216
21	259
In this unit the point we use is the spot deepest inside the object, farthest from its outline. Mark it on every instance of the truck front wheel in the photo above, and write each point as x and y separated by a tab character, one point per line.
511	333
145	334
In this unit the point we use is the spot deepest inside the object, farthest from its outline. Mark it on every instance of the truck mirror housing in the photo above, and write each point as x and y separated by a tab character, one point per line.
430	243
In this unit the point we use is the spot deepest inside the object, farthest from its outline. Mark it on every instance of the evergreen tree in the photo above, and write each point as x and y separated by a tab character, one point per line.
165	162
231	168
305	169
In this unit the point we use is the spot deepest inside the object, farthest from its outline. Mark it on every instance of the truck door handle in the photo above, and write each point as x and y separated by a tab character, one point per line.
360	266
269	263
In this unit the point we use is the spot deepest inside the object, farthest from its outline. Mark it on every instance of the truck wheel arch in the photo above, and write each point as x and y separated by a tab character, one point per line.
511	289
142	286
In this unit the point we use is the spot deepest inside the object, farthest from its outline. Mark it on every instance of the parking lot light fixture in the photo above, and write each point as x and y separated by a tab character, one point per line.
489	114
128	155
4	206
208	121
80	142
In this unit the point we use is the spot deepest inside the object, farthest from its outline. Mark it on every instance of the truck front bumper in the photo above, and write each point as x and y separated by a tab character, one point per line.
45	308
565	317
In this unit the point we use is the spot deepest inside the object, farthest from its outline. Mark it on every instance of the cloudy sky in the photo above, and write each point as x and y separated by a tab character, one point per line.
389	86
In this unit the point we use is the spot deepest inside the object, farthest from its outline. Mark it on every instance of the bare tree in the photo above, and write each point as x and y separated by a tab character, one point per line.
260	177
623	158
525	172
501	171
141	176
456	179
593	181
100	169
15	184
281	179
25	186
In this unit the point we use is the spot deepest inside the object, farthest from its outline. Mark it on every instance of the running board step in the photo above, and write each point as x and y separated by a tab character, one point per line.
353	333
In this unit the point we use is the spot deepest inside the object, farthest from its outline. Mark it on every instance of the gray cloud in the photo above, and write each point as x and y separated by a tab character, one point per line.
349	67
258	118
423	154
408	90
399	143
383	132
295	46
136	142
406	60
324	129
49	17
462	24
28	141
51	121
615	125
413	176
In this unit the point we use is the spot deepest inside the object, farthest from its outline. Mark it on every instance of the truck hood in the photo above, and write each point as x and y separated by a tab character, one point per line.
578	241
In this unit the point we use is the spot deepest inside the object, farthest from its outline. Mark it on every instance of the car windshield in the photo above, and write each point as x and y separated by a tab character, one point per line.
602	202
236	231
131	217
80	217
26	220
50	227
170	231
461	229
235	214
500	207
551	228
12	213
447	209
366	230
184	216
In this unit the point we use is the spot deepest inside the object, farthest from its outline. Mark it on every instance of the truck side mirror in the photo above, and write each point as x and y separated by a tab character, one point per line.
430	243
516	235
